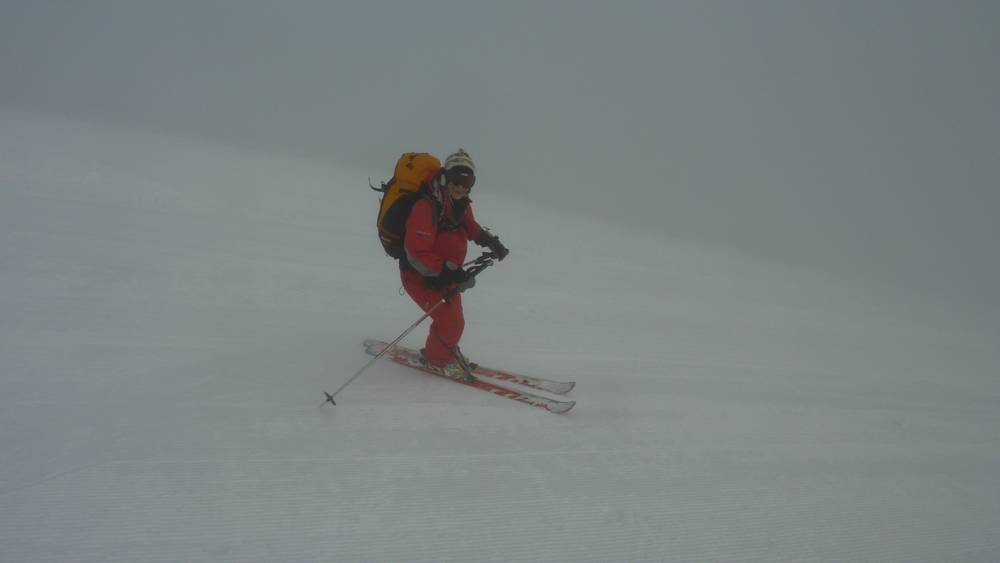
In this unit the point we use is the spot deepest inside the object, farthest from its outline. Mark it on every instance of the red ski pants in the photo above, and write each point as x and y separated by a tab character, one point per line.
447	321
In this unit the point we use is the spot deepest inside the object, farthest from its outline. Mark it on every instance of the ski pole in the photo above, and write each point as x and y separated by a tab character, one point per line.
483	262
330	396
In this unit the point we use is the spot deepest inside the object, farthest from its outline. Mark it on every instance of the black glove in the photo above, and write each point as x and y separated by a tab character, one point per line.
452	276
491	241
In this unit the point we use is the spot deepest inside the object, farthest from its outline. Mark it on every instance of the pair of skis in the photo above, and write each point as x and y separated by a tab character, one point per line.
487	379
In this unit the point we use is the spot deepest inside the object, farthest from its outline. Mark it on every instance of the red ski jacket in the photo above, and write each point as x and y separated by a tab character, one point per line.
431	240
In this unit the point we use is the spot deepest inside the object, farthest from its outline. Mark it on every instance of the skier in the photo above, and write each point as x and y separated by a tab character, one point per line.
438	229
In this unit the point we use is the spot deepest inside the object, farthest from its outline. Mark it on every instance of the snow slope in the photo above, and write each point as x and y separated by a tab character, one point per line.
170	313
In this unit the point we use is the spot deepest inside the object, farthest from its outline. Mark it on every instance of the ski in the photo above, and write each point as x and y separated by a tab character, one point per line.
411	358
557	387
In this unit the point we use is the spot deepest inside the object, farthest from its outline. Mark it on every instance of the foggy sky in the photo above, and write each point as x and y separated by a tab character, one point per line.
855	136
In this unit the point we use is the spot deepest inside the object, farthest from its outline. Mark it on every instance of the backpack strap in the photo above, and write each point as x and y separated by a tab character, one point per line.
437	208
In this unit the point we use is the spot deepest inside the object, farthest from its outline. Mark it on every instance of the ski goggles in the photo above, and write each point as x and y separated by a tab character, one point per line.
461	176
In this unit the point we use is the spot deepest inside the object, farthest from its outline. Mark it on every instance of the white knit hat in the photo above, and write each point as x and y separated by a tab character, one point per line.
460	158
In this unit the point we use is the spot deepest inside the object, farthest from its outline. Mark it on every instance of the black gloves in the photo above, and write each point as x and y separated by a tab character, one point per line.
448	276
454	275
491	241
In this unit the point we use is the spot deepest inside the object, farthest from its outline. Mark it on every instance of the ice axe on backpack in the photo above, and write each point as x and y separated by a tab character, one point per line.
486	260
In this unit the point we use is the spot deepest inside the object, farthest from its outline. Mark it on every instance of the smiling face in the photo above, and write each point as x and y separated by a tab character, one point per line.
458	182
457	191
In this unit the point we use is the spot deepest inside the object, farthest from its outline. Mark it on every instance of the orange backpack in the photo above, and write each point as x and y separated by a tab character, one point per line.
398	196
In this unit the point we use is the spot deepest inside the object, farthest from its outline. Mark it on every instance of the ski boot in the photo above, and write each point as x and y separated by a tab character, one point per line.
451	370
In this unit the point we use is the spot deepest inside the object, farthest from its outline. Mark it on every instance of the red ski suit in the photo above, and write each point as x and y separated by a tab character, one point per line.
430	243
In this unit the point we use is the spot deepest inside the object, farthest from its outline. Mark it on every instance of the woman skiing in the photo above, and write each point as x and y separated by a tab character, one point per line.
438	229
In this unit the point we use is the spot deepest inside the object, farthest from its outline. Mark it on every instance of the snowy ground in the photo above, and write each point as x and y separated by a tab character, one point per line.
171	312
